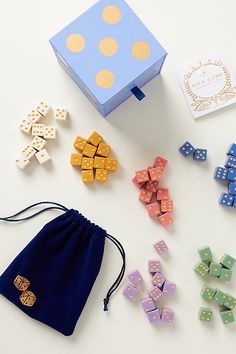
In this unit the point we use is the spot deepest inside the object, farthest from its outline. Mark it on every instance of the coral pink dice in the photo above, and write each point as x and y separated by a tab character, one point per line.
135	182
162	193
153	209
160	162
130	291
166	219
154	316
169	287
155	293
145	196
151	186
148	304
142	176
166	205
135	277
158	280
155	174
167	315
154	266
161	247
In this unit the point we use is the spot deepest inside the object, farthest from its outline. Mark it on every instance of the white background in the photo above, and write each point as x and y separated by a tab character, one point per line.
137	132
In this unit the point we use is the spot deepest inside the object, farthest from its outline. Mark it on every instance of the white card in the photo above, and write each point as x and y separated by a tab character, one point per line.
208	84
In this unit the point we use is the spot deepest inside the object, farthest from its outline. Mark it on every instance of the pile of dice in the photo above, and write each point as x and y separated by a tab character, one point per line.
161	286
156	199
228	174
41	133
223	271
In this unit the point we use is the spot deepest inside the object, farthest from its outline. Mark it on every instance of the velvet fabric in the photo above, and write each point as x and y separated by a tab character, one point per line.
61	262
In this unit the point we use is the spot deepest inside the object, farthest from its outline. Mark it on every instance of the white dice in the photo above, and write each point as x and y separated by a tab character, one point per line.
61	114
25	126
28	152
34	116
22	162
43	108
38	143
42	156
49	133
38	129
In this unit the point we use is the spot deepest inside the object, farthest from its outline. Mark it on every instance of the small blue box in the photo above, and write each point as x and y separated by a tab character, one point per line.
108	52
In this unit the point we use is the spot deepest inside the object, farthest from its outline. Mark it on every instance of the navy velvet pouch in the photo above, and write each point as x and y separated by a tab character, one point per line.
51	279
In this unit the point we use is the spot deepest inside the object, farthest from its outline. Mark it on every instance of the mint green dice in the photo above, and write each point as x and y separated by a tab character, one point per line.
205	314
220	297
227	316
225	274
227	261
205	254
201	269
208	293
215	269
230	302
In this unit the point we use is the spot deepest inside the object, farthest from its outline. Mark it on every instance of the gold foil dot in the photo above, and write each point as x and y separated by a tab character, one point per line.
141	50
105	78
108	46
75	42
111	14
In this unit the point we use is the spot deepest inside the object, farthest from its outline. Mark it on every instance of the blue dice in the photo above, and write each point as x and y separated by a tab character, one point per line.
226	199
200	155
232	188
187	149
231	176
234	202
230	162
232	150
221	173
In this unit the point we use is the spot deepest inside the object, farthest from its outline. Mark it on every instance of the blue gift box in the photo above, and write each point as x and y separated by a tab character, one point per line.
109	53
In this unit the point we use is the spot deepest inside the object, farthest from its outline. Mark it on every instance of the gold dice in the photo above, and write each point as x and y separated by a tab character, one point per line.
21	283
28	298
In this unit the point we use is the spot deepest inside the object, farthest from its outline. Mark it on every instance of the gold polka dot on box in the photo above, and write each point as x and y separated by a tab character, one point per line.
93	157
119	54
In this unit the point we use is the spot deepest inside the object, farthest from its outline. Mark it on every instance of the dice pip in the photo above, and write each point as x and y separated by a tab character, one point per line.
21	283
187	149
135	277
28	298
200	155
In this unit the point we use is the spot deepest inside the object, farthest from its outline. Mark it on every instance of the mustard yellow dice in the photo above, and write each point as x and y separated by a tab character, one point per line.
87	176
111	165
99	162
79	143
28	298
95	139
101	175
89	150
87	163
103	150
76	159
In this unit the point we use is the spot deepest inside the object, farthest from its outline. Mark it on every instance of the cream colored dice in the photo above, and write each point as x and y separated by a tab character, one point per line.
49	133
38	143
22	162
28	151
26	125
38	129
61	114
43	108
34	116
42	156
